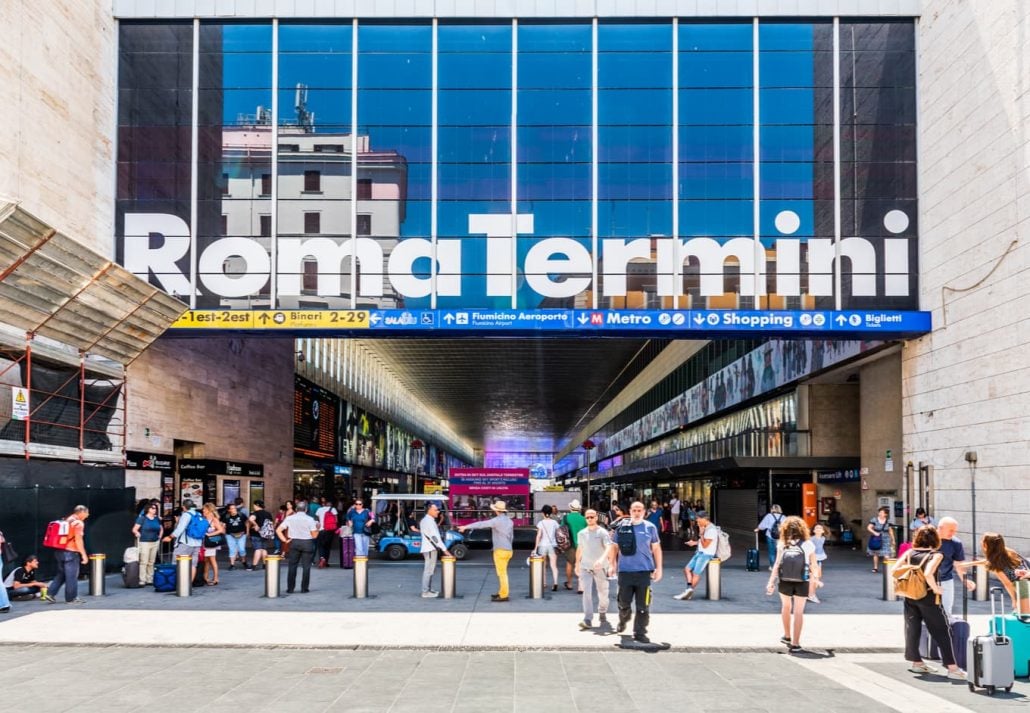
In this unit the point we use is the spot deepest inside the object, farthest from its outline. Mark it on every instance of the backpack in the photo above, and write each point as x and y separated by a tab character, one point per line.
197	527
56	535
793	567
267	531
722	547
626	539
329	521
774	531
910	580
562	537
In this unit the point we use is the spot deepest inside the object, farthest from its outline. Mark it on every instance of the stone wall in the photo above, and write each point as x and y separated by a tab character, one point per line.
231	397
57	110
880	414
965	384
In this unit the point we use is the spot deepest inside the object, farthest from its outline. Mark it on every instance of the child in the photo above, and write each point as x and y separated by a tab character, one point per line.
819	541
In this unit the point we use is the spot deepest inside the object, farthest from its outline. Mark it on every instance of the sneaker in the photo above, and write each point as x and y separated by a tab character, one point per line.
77	600
48	599
621	626
793	649
641	639
923	668
690	593
429	595
814	599
4	610
685	594
585	625
500	599
604	620
957	675
785	640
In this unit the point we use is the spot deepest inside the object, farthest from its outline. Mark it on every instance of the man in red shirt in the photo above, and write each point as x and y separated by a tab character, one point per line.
69	559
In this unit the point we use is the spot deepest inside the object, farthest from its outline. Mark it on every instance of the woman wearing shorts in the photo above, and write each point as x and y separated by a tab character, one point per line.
547	543
797	570
212	542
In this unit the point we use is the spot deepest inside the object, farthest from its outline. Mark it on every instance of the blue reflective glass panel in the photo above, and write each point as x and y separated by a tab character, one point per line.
555	107
707	37
630	37
716	219
554	144
621	70
716	143
716	69
555	37
716	106
634	106
554	70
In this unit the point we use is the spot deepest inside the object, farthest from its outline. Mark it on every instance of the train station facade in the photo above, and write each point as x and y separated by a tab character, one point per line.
600	157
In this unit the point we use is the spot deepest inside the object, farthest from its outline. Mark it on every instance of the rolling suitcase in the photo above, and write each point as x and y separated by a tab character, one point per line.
1017	628
347	552
130	575
164	573
991	658
751	558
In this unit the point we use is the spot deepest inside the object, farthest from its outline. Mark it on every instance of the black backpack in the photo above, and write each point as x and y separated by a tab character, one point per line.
774	531
793	567
626	539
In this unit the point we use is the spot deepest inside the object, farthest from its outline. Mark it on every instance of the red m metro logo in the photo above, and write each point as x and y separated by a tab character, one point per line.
596	318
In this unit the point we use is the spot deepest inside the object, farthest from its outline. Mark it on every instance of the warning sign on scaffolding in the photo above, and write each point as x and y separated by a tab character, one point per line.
19	403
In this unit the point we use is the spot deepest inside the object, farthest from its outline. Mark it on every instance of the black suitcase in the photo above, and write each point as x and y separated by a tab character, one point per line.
929	649
751	560
130	575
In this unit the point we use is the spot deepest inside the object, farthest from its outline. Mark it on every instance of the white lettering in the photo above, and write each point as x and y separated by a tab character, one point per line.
330	257
141	260
554	267
617	256
540	265
497	228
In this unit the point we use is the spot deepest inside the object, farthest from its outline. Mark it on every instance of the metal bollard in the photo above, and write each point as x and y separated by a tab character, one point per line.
96	575
713	591
360	577
183	576
536	577
272	563
982	591
888	580
448	573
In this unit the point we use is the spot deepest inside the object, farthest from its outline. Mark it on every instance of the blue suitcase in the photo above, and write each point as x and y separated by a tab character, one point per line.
751	558
1017	628
164	577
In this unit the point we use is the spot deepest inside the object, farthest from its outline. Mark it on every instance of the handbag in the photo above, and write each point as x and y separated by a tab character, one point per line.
212	541
875	543
8	553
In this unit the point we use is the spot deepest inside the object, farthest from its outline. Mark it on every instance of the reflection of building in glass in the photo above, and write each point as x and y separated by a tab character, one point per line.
314	203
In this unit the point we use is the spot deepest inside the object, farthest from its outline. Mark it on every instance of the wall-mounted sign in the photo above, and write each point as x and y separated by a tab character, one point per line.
19	403
142	460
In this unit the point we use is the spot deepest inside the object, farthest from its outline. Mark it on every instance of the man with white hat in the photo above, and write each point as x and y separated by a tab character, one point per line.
575	522
503	532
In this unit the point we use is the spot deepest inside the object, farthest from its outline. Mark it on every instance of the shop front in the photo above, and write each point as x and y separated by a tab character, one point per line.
153	477
206	480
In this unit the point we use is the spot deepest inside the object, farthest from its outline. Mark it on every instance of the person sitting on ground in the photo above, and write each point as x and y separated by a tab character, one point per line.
21	582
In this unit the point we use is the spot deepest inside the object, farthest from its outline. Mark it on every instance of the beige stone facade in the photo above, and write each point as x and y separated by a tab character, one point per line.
58	78
965	384
220	398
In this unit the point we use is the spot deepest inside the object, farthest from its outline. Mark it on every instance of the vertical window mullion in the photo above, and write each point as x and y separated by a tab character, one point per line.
678	271
194	160
756	134
274	208
433	180
836	166
514	161
595	302
354	165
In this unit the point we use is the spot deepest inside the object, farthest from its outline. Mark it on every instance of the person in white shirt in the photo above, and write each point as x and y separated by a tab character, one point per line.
592	564
706	546
771	523
432	543
674	511
547	543
299	531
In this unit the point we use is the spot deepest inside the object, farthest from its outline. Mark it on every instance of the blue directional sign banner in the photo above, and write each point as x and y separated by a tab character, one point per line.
683	324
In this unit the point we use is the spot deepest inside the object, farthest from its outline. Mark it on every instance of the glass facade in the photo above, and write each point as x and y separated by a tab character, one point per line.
533	164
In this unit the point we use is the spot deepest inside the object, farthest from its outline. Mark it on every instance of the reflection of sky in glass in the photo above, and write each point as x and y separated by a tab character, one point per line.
715	190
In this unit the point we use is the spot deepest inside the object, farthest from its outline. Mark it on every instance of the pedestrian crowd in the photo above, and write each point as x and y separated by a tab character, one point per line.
598	549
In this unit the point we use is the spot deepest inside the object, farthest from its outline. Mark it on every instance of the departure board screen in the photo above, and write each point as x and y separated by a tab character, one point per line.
314	419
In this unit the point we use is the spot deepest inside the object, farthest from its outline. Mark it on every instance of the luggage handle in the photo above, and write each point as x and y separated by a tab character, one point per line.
756	543
999	631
